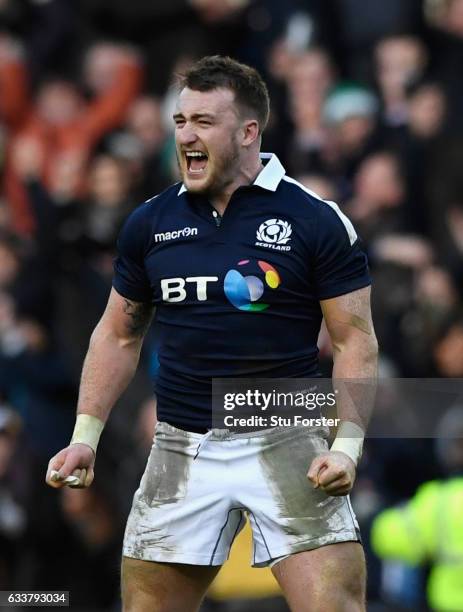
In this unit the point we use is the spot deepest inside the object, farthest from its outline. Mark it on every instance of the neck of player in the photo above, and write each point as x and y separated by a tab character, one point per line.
246	175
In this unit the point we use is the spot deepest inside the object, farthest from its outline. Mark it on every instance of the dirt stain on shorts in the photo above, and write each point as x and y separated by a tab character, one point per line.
166	475
306	513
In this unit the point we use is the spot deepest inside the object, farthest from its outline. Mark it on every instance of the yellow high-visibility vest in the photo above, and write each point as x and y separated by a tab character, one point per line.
428	528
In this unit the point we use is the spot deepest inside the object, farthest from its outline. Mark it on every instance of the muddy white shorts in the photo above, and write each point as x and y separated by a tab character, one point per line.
197	489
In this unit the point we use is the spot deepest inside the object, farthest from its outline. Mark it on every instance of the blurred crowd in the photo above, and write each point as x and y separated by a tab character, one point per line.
366	111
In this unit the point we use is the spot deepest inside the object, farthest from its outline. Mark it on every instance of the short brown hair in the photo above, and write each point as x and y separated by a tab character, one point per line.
214	71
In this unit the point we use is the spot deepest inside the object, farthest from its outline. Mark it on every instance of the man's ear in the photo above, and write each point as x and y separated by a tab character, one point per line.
250	132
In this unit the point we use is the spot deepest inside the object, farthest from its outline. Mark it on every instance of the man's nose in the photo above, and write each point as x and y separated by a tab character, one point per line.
186	135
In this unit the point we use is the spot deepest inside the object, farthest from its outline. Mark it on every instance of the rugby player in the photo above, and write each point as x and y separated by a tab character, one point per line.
241	263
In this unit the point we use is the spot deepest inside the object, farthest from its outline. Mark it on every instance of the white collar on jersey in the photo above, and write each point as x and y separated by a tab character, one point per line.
268	178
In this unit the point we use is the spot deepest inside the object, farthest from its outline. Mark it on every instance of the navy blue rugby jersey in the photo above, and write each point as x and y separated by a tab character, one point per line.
238	295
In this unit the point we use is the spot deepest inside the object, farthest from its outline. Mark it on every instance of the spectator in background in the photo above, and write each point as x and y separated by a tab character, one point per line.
166	30
426	110
170	30
420	144
427	529
379	194
145	127
400	60
435	300
360	25
109	201
63	121
412	292
76	222
350	113
29	19
397	261
25	277
310	76
34	376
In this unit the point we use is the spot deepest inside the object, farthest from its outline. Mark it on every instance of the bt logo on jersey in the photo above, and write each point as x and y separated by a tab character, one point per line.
173	289
242	291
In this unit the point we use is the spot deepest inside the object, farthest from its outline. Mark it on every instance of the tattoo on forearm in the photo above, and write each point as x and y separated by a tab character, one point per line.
140	316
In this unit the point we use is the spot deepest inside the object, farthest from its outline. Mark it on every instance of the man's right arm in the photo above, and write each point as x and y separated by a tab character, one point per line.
109	366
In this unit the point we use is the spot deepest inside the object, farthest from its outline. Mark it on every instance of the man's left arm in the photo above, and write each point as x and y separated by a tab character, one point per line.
355	349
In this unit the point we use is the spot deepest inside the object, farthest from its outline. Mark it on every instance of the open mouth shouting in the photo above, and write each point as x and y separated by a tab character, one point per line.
196	163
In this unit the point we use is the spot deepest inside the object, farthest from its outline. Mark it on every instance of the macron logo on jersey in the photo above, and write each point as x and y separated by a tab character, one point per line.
183	233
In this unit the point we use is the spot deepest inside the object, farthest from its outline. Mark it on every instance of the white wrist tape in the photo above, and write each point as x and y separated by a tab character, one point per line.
87	430
349	440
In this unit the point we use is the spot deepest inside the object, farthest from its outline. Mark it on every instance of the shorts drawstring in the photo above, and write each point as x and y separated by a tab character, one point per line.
203	441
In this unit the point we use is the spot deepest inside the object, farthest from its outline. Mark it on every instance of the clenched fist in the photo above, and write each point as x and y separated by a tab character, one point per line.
76	460
333	472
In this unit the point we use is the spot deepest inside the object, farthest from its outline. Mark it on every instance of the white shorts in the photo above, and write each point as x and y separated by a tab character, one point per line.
197	489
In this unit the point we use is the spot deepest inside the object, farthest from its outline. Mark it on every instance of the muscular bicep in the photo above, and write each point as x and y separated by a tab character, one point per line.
348	318
126	319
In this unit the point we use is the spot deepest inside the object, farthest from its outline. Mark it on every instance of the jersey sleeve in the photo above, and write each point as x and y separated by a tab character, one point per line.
130	278
341	265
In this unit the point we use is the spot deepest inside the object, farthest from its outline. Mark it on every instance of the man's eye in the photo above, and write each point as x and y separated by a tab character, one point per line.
179	123
205	123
